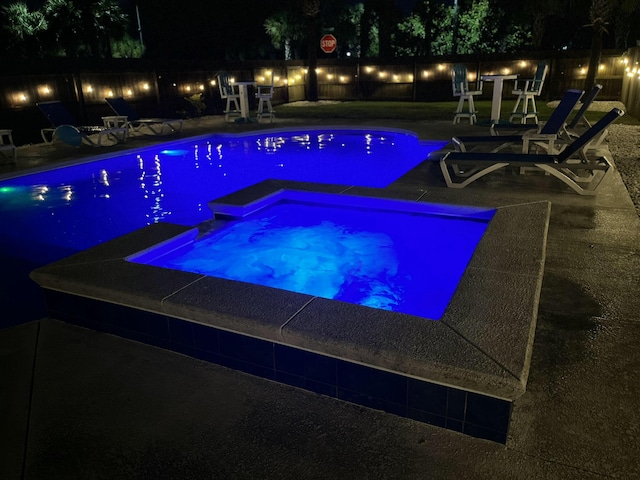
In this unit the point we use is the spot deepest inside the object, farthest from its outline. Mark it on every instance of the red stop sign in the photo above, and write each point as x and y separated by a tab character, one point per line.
328	43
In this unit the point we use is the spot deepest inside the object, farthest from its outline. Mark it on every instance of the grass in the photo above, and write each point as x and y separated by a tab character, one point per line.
418	111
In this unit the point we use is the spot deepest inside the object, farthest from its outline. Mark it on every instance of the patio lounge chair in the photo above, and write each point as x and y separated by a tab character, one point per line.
579	120
461	88
156	126
527	91
65	128
547	133
578	173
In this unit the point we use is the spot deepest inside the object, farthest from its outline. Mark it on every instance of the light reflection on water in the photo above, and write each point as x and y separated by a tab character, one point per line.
66	210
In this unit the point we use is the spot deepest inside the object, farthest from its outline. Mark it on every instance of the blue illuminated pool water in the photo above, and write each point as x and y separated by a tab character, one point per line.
62	211
379	253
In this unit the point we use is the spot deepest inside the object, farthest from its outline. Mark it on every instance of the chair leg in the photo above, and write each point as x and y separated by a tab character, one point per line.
472	111
261	104
526	112
460	112
229	111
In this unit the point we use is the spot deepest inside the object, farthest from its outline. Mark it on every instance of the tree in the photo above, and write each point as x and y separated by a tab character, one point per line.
22	28
347	28
411	37
65	28
284	29
599	14
311	12
377	27
626	14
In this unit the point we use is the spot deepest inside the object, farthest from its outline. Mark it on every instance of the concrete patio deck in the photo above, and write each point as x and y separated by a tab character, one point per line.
80	404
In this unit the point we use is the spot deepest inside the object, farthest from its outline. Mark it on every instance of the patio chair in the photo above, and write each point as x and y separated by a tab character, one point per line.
264	94
578	173
461	88
230	93
156	126
65	128
6	144
545	135
528	90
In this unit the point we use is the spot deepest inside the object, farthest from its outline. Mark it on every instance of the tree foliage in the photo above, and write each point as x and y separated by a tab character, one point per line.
71	28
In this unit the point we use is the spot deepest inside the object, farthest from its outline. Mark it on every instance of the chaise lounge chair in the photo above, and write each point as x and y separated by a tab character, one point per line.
157	126
578	173
579	121
65	128
548	133
6	144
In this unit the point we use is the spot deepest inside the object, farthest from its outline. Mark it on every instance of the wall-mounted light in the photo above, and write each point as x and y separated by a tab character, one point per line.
44	90
20	97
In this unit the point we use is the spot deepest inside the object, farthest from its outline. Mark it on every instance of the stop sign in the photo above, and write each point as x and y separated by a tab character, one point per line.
328	43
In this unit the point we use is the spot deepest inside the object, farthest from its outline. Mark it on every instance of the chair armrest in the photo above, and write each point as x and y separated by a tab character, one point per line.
533	136
526	81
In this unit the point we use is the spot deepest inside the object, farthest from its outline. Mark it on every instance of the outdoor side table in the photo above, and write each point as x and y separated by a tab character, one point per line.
496	102
243	87
115	121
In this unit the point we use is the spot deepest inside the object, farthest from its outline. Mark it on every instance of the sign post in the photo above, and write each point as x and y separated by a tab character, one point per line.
328	43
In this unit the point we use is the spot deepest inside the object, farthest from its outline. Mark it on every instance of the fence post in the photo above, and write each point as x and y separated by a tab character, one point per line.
77	87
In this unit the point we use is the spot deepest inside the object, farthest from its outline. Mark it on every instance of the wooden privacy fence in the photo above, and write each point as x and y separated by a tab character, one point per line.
172	89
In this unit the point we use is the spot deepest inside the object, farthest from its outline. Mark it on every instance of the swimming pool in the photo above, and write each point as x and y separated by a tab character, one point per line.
62	211
388	254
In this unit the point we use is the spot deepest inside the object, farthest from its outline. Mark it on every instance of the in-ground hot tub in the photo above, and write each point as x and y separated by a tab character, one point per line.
394	255
462	372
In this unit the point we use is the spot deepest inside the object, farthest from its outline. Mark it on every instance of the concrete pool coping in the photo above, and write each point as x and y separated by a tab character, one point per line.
482	344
